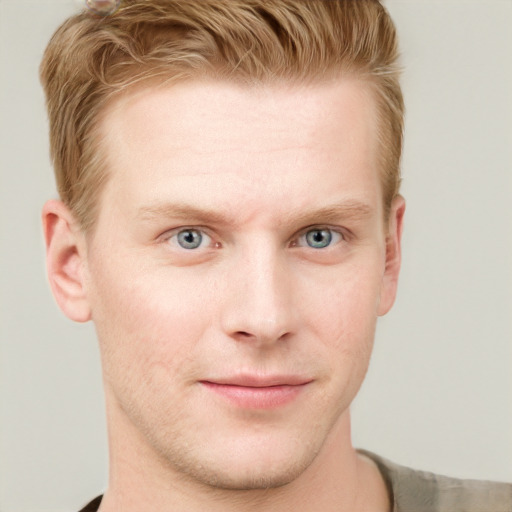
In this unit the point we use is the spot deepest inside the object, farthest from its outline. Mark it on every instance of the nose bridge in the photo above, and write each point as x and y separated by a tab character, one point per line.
261	308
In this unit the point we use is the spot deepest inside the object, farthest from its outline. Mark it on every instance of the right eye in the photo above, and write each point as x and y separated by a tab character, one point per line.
319	238
190	239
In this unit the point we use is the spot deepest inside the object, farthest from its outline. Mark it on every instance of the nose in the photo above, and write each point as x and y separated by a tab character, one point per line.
259	298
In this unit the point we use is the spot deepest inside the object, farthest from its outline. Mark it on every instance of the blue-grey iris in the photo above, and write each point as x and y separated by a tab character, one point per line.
190	238
319	238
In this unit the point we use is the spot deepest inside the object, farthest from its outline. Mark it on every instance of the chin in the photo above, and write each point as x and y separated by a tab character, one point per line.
243	468
238	479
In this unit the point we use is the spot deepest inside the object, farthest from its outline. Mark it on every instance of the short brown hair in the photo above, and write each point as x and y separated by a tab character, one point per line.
90	59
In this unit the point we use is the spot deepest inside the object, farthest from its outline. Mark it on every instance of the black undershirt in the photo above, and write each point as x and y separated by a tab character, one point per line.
93	506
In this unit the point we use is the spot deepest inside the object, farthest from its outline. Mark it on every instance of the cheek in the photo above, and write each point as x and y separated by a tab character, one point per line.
343	305
147	320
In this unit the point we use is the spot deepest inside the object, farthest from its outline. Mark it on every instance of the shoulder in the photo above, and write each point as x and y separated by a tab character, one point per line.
421	491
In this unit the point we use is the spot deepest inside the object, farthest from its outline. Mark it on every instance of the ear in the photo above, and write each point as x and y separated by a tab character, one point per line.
393	255
65	259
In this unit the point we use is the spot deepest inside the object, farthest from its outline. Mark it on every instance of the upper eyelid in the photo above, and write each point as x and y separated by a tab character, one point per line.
318	227
168	233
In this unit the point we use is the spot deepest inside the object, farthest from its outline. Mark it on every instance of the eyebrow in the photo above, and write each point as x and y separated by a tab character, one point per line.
347	210
350	210
182	211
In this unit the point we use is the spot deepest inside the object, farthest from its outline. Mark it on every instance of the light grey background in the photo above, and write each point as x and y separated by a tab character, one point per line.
439	392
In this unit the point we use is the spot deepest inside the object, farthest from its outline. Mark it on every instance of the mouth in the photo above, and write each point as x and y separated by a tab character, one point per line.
254	392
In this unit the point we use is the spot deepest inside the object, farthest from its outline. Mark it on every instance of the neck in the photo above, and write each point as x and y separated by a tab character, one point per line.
337	480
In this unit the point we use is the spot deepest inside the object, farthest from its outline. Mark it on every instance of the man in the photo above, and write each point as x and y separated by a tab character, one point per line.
230	221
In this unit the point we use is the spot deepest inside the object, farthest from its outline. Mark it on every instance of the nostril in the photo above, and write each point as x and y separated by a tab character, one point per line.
264	338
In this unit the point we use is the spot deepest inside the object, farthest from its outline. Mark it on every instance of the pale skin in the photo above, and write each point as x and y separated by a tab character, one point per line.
235	274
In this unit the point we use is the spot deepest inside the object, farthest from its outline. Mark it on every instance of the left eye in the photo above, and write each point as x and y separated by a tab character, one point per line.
321	238
190	238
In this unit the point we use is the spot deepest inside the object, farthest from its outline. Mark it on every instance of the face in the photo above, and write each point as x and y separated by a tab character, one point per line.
236	272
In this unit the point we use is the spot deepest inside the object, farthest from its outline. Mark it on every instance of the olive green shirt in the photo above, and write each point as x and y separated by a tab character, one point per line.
420	491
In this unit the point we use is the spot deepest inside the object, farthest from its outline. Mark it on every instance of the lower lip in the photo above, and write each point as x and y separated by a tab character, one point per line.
247	397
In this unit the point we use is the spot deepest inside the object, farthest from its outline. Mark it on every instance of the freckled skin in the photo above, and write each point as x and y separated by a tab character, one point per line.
255	296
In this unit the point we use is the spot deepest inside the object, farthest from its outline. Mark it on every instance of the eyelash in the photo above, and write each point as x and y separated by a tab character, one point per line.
334	234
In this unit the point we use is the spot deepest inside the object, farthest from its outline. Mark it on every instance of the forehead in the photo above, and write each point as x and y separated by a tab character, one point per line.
218	106
243	142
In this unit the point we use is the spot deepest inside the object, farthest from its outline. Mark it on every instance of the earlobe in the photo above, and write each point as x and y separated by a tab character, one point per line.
393	256
64	260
